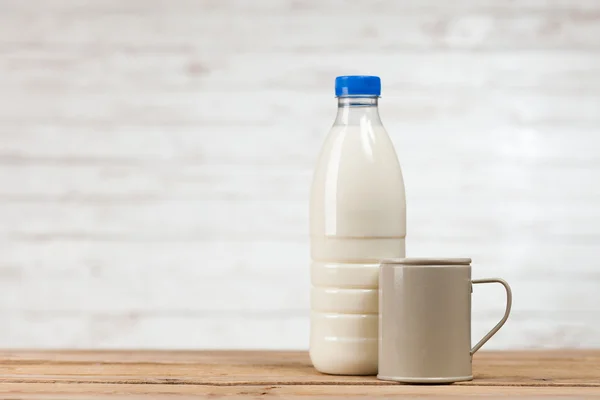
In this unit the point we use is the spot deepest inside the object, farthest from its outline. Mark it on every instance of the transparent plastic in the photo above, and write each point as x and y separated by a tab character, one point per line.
357	218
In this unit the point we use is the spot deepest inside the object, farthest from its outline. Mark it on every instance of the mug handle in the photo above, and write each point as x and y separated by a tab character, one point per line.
506	312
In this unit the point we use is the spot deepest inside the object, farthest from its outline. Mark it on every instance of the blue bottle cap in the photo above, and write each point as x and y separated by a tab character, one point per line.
357	85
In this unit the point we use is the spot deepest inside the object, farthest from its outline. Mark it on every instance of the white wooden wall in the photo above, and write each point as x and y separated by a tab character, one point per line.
156	156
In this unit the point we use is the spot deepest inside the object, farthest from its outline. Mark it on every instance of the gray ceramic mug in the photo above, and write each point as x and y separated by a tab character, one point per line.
425	320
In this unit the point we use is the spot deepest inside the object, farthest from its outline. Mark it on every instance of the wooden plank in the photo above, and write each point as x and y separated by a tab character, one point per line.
176	329
285	6
55	261
523	165
429	71
159	290
102	184
33	182
510	28
505	149
246	329
533	369
198	107
161	391
46	70
456	219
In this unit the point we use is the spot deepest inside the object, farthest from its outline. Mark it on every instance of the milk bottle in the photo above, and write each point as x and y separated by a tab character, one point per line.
357	217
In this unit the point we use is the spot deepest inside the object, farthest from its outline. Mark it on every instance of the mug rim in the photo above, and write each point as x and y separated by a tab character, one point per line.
426	261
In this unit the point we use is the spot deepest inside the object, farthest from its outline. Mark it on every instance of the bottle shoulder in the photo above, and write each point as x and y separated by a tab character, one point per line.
360	151
358	188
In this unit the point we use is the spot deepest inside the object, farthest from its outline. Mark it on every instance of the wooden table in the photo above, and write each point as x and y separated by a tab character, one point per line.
282	374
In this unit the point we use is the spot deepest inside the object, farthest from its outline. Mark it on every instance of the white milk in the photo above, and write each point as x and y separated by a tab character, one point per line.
357	217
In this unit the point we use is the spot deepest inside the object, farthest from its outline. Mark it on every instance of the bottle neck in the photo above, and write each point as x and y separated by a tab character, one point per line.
357	111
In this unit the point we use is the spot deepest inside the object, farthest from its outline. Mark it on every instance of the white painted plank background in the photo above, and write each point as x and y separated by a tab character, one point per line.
156	156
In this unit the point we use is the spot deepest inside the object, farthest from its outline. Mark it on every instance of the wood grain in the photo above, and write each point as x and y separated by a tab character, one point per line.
535	368
61	391
72	374
392	27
